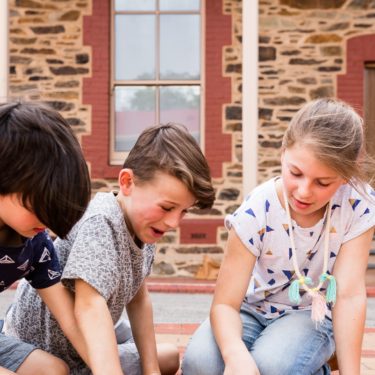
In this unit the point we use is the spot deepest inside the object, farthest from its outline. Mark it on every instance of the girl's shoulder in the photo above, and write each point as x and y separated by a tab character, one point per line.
264	191
349	196
260	203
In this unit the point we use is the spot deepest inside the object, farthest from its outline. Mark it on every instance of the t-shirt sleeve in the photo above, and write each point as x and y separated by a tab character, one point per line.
93	257
361	209
245	222
46	270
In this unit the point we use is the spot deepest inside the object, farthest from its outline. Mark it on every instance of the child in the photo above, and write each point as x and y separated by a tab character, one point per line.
289	242
44	182
109	252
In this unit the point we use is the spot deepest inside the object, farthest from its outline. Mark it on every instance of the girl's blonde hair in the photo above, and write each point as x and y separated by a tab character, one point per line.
334	131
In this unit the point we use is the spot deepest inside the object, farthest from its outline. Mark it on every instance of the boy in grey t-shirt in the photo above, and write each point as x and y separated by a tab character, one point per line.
109	252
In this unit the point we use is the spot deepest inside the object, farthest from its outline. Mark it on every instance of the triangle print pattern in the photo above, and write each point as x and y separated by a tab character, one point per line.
6	260
354	203
53	274
23	267
46	256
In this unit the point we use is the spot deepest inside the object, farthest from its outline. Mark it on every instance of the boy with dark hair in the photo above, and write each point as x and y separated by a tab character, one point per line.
109	252
44	183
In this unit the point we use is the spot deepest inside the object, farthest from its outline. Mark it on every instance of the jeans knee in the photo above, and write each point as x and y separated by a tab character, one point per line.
201	362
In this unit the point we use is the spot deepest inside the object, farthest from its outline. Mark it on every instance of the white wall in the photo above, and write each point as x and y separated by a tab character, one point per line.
250	93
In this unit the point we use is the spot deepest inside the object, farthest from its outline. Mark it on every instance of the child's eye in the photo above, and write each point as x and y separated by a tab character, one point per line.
167	209
296	174
323	184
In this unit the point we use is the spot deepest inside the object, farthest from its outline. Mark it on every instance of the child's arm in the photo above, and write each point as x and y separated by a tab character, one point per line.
231	286
96	325
349	311
4	371
140	315
60	302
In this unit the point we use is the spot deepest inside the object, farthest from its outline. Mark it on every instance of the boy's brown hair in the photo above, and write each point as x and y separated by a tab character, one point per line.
41	160
172	149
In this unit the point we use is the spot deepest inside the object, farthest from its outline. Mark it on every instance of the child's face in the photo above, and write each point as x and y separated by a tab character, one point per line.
309	183
16	216
155	207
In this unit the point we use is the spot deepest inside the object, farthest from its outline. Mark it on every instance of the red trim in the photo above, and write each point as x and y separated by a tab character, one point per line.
350	85
218	88
96	34
200	231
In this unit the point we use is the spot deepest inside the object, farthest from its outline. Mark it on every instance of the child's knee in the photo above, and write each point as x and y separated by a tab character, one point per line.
60	368
42	363
55	366
169	359
198	361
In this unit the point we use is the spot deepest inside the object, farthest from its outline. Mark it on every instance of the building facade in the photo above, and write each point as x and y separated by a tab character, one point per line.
67	53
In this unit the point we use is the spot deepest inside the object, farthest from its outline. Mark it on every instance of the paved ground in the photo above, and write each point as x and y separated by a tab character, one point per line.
180	307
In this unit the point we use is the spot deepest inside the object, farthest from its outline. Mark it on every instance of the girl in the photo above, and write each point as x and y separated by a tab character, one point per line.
276	309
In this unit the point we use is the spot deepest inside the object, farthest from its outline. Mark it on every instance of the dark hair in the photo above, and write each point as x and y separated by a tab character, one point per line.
41	160
172	149
335	133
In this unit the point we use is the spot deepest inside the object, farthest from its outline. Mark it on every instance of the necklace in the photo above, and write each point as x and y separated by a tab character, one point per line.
319	301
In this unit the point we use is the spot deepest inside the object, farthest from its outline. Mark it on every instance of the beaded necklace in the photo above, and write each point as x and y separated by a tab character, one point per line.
319	301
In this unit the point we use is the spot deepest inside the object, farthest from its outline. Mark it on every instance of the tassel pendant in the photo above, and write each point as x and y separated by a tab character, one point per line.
318	307
331	288
293	292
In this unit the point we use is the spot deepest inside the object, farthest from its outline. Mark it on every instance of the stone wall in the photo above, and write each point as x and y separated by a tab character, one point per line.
302	50
47	57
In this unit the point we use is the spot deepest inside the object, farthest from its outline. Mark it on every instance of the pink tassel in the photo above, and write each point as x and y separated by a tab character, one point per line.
318	307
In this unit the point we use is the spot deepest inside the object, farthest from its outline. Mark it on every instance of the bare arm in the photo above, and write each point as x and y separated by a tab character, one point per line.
140	315
349	311
60	302
231	286
4	371
96	325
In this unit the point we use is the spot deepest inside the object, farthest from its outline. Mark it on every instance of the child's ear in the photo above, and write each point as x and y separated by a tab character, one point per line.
282	155
126	180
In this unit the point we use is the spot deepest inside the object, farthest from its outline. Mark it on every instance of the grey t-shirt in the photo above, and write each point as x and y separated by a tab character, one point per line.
98	250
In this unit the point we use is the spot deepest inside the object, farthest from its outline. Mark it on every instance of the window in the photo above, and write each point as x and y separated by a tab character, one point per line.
157	68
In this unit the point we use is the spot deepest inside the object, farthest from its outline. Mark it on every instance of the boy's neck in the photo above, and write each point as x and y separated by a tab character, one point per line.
121	203
9	237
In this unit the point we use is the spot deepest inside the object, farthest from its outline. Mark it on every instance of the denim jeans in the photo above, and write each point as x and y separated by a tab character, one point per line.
287	345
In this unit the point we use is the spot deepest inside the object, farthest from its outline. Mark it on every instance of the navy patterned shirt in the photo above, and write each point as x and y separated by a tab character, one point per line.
36	260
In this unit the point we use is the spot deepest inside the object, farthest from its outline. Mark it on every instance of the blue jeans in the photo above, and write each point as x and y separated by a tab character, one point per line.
287	345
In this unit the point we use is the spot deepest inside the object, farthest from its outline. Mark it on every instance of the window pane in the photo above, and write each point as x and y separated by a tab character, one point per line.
179	46
181	104
135	47
134	5
179	4
135	111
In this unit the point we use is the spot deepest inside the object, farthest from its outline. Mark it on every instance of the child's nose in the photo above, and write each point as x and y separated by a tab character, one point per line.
304	189
172	220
